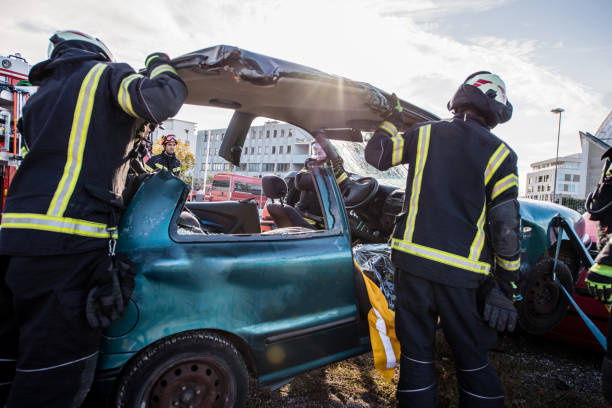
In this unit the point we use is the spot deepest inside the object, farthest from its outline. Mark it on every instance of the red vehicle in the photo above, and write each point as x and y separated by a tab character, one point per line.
234	187
572	329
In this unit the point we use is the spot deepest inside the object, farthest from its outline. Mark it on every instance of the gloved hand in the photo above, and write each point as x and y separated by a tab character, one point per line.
111	287
337	166
499	311
394	114
599	282
155	59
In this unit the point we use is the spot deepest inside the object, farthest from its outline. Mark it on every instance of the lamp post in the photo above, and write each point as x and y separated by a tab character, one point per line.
555	111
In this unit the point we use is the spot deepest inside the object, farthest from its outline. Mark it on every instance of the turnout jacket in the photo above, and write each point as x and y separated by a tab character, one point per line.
79	127
164	161
457	170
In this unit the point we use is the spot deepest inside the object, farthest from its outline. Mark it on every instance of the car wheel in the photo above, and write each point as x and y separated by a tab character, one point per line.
544	304
193	369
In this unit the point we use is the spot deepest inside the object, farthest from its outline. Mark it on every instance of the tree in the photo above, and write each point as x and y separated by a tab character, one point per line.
185	156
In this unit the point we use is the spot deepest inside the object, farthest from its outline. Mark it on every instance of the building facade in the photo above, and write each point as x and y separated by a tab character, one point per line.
271	148
570	178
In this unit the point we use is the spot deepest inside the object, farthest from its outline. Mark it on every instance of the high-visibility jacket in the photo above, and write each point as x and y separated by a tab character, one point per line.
164	161
79	128
457	169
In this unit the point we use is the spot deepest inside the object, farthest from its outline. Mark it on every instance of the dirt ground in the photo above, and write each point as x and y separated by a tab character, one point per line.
535	372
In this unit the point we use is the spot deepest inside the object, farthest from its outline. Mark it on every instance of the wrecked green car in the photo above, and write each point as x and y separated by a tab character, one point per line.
211	310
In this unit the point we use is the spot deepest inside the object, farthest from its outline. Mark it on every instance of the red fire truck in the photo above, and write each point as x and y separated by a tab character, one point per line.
13	95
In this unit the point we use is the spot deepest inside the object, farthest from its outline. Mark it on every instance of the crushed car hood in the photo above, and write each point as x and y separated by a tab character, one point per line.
229	77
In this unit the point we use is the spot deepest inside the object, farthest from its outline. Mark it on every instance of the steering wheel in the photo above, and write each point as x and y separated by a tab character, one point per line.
359	192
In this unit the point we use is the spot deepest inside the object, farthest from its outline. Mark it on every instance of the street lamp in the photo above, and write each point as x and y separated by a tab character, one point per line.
555	111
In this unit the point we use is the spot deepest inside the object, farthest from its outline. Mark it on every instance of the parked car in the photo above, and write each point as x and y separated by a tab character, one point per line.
211	310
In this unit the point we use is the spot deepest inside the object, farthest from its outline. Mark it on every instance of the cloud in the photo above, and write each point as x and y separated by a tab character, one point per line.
379	42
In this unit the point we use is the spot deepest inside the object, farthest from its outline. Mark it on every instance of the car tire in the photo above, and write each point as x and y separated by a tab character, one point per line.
544	304
191	369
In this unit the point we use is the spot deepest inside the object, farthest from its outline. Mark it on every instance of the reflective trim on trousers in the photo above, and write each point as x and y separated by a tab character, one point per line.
417	361
418	389
480	396
77	141
421	158
473	369
443	257
497	158
58	365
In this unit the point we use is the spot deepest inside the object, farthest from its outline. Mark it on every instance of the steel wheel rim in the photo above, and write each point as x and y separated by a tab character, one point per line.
191	382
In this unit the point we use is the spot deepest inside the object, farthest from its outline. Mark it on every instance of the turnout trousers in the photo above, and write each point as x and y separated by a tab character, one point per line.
48	351
418	305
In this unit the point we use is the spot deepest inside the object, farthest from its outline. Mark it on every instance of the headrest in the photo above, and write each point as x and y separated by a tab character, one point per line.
274	187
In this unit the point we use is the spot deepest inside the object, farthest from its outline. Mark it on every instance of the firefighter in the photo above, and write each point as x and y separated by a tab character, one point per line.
167	159
308	204
458	235
62	282
599	279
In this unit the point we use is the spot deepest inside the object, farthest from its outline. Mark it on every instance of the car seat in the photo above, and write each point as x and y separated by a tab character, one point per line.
284	216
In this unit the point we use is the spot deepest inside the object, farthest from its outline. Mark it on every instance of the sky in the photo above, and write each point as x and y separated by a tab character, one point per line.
550	54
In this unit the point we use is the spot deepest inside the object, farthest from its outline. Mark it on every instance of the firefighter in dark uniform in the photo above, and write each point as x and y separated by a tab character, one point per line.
308	204
166	160
458	234
599	279
61	283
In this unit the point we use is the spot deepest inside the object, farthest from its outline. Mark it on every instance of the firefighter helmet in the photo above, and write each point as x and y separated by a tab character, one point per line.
169	139
486	93
72	36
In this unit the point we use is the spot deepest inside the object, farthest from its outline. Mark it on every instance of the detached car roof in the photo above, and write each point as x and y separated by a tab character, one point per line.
230	77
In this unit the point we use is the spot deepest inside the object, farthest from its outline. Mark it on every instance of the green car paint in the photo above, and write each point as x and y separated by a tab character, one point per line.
288	303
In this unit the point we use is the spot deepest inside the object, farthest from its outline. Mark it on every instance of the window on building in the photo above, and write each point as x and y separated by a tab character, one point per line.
282	132
246	151
253	167
576	177
261	134
288	149
539	179
274	148
548	188
267	134
268	167
290	133
280	149
274	133
259	150
546	177
252	150
282	167
243	166
565	187
267	149
568	177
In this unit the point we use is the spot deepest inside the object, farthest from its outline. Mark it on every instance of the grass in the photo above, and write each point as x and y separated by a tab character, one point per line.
534	373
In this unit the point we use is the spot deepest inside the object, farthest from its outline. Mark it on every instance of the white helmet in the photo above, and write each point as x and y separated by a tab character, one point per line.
489	84
72	35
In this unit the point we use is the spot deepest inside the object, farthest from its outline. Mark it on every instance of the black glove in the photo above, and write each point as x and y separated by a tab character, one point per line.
337	166
499	311
394	114
155	59
111	287
599	282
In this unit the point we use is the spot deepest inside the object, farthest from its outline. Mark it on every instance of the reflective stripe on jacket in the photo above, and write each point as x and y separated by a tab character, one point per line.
79	128
457	169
